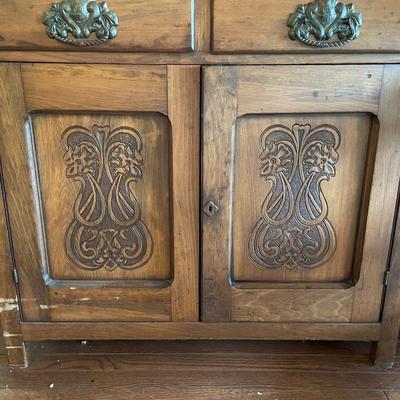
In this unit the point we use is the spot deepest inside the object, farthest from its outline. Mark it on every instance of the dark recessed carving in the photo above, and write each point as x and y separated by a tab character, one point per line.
107	230
294	231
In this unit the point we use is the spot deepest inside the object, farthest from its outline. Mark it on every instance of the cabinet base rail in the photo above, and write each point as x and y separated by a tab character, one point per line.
40	331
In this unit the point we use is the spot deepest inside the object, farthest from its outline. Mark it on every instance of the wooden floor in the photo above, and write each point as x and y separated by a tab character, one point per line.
199	370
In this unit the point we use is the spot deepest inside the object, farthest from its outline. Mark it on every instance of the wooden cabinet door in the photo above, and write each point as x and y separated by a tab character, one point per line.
301	168
100	167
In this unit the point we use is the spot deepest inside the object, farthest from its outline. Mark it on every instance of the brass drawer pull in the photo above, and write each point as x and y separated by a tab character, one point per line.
324	19
81	19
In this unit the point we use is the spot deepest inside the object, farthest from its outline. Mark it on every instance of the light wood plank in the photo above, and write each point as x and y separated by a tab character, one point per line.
301	89
291	305
95	88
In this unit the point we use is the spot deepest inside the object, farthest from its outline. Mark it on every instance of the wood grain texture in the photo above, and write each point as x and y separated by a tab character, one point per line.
384	191
225	370
304	88
291	305
219	114
260	26
110	304
93	88
281	370
145	25
202	25
196	58
37	331
183	111
220	393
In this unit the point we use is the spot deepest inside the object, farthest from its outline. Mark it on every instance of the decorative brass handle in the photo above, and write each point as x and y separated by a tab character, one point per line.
81	18
324	19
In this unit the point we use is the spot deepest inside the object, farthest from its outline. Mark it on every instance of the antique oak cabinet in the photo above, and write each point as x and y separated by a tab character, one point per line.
197	169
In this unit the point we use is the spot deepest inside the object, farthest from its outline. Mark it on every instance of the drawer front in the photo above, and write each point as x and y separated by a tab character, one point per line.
123	25
261	26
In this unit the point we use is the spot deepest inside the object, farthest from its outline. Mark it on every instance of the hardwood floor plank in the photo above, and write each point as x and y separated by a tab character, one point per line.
194	347
184	379
201	362
171	393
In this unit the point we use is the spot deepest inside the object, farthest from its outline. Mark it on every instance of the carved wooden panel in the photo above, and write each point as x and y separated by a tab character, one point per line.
104	182
107	230
294	230
297	196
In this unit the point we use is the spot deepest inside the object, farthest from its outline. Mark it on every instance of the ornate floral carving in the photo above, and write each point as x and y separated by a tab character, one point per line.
107	230
294	230
81	18
324	19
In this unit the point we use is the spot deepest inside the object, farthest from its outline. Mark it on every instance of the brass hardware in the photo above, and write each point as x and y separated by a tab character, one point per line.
211	209
324	19
81	19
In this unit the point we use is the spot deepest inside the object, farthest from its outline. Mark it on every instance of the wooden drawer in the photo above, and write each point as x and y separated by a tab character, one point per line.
143	25
260	26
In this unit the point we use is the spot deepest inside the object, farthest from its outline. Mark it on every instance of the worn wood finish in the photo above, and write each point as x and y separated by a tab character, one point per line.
217	370
219	113
132	89
37	331
302	305
11	340
183	106
60	292
144	25
302	89
196	58
260	26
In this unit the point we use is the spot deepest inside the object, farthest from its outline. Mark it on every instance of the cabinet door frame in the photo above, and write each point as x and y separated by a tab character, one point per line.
231	92
170	90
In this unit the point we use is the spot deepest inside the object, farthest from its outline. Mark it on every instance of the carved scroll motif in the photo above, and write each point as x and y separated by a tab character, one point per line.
294	231
107	230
